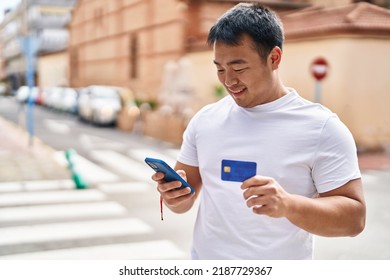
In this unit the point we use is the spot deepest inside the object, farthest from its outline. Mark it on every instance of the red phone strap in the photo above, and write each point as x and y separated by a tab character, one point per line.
161	208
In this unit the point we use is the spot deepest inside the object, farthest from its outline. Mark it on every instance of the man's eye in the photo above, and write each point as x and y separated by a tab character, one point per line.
239	70
220	70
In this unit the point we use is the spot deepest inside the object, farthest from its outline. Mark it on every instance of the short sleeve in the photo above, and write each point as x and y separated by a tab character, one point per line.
188	150
336	160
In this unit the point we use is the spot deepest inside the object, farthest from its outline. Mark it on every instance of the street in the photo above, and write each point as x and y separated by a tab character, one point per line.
118	216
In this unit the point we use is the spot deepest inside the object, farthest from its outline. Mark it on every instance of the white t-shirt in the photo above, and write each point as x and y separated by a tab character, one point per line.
302	145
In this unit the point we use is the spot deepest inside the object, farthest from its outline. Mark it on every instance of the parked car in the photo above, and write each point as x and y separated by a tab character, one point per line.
99	104
3	89
69	100
23	93
52	97
40	97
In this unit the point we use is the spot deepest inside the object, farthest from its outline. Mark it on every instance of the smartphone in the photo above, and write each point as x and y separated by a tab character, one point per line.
159	165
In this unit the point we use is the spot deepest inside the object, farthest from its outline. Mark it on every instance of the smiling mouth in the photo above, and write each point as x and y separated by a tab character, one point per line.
237	91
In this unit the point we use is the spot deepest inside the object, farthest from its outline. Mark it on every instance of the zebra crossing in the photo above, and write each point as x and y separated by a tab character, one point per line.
54	220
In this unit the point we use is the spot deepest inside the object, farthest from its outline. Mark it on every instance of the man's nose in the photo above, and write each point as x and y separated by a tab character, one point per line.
230	78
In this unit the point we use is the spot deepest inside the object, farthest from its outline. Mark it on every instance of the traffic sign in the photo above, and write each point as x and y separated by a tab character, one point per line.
319	68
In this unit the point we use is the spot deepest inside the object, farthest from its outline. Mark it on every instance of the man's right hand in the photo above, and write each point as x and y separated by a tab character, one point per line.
174	197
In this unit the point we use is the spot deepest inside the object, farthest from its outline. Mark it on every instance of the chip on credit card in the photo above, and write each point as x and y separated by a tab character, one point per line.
237	171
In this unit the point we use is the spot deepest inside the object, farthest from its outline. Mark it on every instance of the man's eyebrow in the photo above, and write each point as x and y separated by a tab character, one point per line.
236	61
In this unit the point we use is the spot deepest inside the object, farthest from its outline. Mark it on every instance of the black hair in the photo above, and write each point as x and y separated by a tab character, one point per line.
255	20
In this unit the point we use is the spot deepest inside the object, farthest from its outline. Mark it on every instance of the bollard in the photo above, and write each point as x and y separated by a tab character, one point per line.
78	179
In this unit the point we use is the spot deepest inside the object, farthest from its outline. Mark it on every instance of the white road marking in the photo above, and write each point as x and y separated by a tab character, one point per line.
136	170
91	172
152	250
56	126
36	185
29	198
96	142
129	187
62	211
74	230
140	155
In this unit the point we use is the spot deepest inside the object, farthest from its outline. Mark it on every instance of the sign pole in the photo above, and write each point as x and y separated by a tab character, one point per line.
317	93
319	69
30	46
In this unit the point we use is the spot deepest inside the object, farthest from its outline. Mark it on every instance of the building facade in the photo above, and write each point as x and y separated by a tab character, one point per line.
150	48
157	49
355	42
42	20
129	42
354	39
11	29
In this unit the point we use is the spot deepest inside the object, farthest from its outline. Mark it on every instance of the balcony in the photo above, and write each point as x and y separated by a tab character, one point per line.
68	3
48	17
52	40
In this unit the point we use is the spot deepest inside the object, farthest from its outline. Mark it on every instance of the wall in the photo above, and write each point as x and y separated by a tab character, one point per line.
204	78
356	88
125	43
53	70
104	34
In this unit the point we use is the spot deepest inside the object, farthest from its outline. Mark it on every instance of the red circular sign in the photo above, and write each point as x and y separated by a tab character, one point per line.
319	68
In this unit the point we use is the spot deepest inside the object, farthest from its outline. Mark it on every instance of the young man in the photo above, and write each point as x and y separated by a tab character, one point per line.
307	180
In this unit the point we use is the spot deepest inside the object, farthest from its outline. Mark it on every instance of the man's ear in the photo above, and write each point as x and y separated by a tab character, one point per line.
275	57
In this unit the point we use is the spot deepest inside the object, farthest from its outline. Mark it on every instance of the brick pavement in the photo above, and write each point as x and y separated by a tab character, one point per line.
21	162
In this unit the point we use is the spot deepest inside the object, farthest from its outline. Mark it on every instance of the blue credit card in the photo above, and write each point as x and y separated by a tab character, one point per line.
237	171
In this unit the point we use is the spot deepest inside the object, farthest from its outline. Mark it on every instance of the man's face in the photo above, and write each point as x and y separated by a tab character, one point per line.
246	77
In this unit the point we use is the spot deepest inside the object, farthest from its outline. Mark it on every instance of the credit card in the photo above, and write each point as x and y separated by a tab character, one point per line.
237	171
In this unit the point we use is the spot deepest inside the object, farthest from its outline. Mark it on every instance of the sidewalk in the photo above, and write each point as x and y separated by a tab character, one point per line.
20	162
